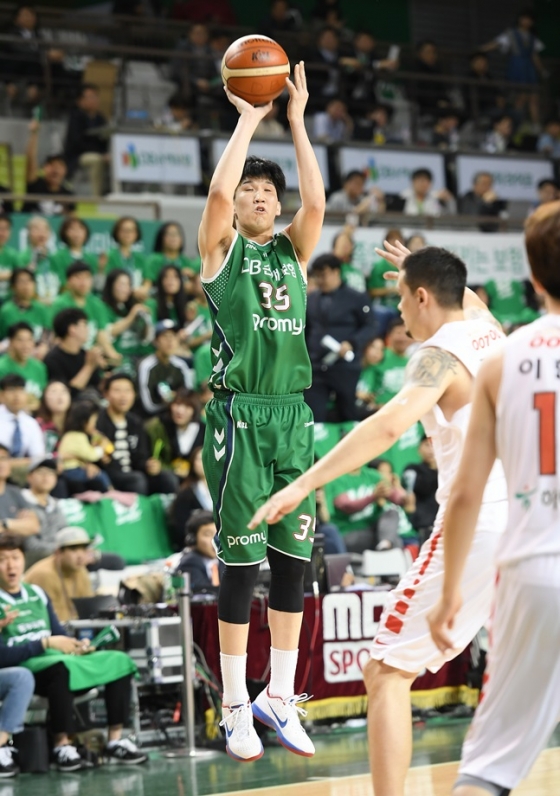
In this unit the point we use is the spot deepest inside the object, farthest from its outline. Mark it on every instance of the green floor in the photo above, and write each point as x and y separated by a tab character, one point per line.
339	753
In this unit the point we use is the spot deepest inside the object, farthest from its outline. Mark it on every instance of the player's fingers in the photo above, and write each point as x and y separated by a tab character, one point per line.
302	75
258	517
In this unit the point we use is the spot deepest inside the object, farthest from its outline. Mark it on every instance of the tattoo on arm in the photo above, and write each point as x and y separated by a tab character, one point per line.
429	366
480	314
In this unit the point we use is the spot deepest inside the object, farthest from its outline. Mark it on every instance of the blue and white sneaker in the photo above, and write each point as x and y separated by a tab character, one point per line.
282	715
242	741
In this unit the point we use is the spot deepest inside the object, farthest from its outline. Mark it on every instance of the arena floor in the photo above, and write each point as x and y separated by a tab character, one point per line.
338	769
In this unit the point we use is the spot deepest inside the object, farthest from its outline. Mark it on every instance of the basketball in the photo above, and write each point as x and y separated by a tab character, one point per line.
255	68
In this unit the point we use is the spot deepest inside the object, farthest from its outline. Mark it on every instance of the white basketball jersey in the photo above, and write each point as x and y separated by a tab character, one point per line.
470	342
528	439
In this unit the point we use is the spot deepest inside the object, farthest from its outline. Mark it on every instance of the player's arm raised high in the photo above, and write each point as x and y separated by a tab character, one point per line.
216	227
305	229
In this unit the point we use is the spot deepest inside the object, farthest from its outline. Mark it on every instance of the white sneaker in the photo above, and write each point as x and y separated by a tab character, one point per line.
242	741
282	716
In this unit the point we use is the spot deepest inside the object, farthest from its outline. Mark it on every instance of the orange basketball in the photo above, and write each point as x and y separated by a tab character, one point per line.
255	68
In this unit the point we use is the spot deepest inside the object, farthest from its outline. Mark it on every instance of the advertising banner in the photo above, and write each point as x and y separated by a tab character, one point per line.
155	158
514	178
391	169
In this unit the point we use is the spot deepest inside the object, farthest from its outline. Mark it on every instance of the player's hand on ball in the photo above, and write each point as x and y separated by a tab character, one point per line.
298	93
395	254
245	107
280	504
441	620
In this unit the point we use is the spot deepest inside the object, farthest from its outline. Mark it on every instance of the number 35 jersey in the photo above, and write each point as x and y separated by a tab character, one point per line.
257	302
528	439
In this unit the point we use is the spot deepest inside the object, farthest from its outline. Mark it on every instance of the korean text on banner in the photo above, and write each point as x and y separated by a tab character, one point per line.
514	178
391	169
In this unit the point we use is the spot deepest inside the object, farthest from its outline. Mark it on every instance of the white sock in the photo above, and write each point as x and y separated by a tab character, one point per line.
282	672
234	678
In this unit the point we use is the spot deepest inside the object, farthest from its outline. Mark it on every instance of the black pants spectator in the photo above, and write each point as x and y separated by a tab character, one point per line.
386	529
340	380
53	683
165	482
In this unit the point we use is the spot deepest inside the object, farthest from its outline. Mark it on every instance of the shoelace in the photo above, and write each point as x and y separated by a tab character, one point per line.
294	701
238	719
127	744
67	752
6	755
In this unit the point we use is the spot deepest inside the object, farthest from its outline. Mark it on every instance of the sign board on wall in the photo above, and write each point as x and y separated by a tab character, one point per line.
282	153
155	158
514	178
391	169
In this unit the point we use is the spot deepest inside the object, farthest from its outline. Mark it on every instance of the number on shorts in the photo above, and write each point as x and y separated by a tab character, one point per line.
545	404
306	523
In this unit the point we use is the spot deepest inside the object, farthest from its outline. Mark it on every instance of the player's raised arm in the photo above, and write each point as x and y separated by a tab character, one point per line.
305	229
428	375
216	227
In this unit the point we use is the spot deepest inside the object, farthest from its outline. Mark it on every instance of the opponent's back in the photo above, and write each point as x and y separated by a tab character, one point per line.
528	439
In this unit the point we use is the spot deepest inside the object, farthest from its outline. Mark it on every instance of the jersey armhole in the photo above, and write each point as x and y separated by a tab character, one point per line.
208	280
302	271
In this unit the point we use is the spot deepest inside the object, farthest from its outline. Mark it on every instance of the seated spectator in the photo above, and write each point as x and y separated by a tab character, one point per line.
15	514
16	689
281	18
42	479
422	480
127	233
322	8
52	412
374	125
52	182
371	377
200	560
63	574
169	246
85	145
499	139
131	468
161	374
444	134
333	542
9	257
25	68
37	629
82	448
177	433
170	301
343	248
352	198
482	100
415	242
549	141
360	68
509	300
398	494
19	432
334	124
198	332
19	359
384	291
429	94
269	126
23	306
421	200
36	256
197	76
177	117
482	200
323	69
193	497
68	361
548	191
74	234
130	326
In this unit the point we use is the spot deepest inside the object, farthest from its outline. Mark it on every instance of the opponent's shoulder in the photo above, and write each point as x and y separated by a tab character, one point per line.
431	367
481	314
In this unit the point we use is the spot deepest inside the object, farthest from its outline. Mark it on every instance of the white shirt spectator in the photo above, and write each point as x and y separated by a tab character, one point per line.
325	127
32	441
430	206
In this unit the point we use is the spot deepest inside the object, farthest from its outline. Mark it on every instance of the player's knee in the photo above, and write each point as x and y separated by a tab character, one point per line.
378	676
286	582
236	593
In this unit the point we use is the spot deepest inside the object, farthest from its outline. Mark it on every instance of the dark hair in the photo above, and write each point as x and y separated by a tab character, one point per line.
108	297
117	377
424	42
9	541
526	12
349	236
482	174
353	173
198	518
87	87
6	217
77	267
547	181
17	271
158	244
63	231
439	271
118	224
188	398
43	411
422	173
478	54
64	319
18	327
178	101
394	323
53	157
12	381
542	241
179	299
79	415
325	261
260	167
501	118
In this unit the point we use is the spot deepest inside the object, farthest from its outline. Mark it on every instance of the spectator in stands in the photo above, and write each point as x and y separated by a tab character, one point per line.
131	467
200	560
281	18
52	182
197	76
127	234
338	312
85	145
177	117
82	449
384	291
193	497
19	432
323	69
24	69
215	12
19	359
9	257
44	631
170	301
269	126
16	689
169	247
52	412
373	125
394	361
177	434
549	140
353	198
198	332
68	361
429	94
482	100
371	377
548	191
482	200
422	480
323	8
15	514
415	242
23	306
130	324
421	200
36	256
334	124
499	139
161	374
509	302
74	234
42	479
78	295
360	67
445	134
343	247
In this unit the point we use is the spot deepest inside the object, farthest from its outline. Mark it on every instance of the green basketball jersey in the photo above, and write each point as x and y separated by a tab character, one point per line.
257	303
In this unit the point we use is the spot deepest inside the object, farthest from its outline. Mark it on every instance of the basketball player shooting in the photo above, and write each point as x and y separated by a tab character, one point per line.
515	417
259	431
457	333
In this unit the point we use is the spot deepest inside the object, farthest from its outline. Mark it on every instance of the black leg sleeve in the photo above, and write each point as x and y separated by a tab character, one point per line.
286	582
236	593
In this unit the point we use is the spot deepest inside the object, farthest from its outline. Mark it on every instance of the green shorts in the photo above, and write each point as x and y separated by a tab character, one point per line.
254	446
